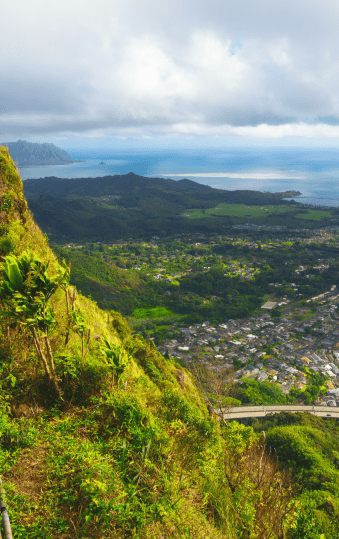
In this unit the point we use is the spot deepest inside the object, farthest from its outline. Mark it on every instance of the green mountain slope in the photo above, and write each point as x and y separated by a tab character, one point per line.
122	444
113	207
107	284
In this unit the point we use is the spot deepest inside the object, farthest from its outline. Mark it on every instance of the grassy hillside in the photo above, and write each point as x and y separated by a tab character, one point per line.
121	444
105	282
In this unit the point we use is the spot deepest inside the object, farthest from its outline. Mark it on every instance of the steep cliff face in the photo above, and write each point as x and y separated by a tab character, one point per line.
115	453
31	153
12	202
18	230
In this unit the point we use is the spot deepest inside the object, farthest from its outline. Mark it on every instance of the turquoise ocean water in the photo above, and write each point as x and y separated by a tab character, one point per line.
315	173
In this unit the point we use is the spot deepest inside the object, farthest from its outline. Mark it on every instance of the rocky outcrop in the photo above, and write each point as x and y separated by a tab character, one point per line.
30	153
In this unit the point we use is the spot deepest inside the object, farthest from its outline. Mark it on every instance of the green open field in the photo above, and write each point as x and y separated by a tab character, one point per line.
151	312
237	210
241	210
315	215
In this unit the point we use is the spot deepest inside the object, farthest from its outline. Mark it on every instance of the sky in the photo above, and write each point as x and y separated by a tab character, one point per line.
170	73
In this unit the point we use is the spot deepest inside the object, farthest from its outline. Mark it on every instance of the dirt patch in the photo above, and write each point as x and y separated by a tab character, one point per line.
29	473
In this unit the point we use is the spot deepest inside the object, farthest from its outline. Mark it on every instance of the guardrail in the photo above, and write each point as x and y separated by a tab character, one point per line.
238	412
6	525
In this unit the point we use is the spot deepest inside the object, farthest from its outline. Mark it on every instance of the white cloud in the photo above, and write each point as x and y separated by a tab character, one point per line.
262	68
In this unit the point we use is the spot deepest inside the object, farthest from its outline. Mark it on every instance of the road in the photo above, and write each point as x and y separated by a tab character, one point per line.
244	412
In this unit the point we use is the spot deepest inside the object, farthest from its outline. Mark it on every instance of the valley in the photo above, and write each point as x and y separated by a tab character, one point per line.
261	304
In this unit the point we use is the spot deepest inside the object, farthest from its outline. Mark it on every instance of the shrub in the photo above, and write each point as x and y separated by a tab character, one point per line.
120	324
303	449
81	379
6	203
125	414
178	407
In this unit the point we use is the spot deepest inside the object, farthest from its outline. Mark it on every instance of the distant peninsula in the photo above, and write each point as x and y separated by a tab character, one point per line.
31	153
110	208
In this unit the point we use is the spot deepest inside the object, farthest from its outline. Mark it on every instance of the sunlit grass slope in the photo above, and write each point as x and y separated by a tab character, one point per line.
102	461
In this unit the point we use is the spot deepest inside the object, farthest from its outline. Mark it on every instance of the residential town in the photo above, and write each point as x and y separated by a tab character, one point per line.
279	350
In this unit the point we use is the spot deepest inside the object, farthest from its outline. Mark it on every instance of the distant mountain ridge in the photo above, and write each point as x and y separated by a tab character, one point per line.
131	187
32	153
113	207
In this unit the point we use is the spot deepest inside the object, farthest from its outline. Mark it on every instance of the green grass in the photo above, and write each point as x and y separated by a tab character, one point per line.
236	210
152	312
305	315
8	170
315	215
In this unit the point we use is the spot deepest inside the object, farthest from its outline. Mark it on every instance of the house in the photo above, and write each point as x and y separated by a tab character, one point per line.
269	305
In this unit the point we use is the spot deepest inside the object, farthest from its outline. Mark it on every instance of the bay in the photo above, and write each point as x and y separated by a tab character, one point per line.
313	172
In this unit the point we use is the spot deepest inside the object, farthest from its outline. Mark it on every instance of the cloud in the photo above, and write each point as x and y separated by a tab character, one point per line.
140	67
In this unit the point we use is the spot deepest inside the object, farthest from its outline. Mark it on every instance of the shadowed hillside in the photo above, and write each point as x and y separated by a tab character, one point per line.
114	207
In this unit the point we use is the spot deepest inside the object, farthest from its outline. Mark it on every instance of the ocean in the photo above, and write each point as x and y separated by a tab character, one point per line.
313	172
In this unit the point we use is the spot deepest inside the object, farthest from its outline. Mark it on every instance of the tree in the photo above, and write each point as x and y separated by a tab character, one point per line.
25	290
262	496
116	359
276	312
307	526
216	386
79	327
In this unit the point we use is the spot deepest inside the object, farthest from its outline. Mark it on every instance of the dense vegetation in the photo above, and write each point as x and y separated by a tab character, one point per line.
199	278
118	441
308	447
120	207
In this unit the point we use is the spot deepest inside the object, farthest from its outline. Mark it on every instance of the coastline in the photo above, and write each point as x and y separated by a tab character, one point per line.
315	175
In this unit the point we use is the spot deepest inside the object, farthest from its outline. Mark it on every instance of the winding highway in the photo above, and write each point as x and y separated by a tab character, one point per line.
245	412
